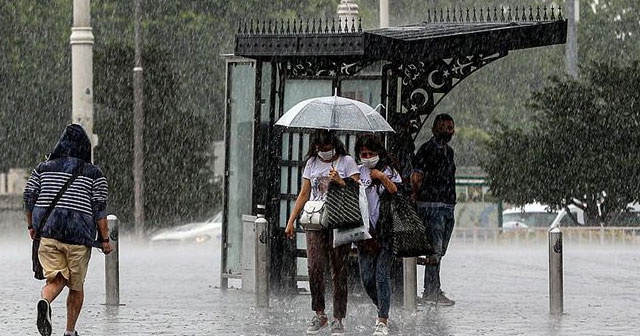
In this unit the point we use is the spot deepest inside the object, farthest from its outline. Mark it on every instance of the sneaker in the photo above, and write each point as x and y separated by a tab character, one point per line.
317	323
438	299
75	333
44	317
337	328
381	329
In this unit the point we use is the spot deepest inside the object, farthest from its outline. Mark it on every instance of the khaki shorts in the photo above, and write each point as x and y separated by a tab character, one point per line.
72	261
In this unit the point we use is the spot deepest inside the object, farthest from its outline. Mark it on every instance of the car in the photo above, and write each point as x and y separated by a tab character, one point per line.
536	215
191	233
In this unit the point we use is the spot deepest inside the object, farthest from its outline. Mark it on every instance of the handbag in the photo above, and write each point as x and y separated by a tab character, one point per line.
36	266
346	236
408	231
342	209
312	215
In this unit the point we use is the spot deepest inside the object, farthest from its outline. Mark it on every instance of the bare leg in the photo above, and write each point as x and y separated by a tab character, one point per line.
74	305
52	289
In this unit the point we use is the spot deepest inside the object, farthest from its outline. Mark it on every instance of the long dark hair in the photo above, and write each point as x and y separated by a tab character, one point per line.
374	143
325	137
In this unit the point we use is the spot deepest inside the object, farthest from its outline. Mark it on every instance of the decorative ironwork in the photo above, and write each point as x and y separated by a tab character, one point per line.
304	68
299	26
424	85
450	15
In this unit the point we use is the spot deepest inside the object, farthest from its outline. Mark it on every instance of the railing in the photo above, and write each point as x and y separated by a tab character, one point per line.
587	235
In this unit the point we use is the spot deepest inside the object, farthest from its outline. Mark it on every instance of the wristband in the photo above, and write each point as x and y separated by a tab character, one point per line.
106	240
29	227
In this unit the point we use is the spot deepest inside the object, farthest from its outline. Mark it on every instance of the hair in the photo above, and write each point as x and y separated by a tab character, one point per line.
375	144
325	137
440	118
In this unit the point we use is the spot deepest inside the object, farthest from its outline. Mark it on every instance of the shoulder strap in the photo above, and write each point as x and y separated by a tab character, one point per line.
64	188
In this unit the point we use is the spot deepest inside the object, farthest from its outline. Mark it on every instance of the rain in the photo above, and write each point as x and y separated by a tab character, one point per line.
554	124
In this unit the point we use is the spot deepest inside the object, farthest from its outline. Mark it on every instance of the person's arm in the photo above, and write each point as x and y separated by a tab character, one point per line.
303	197
385	180
419	162
416	182
100	190
30	195
32	231
103	229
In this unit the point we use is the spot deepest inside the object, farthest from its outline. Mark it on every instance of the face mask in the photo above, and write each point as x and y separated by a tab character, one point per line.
445	138
326	156
370	162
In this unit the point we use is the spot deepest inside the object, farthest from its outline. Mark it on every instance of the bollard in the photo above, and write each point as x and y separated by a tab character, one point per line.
410	283
249	253
262	262
556	291
112	265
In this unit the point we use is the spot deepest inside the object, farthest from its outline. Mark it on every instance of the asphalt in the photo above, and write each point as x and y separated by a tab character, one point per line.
499	289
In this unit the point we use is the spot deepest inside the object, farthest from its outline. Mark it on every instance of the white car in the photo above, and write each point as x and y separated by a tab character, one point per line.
536	215
191	233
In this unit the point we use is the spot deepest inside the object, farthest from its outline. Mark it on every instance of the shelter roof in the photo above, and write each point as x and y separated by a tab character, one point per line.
458	33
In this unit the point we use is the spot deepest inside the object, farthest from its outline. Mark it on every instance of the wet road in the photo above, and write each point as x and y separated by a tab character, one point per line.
500	290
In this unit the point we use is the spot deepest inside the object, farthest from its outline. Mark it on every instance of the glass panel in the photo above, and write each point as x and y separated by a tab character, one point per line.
301	89
240	127
265	91
364	90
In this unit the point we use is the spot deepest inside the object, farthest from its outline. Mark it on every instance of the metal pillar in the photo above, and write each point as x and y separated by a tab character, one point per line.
112	265
410	283
384	13
262	262
138	127
571	53
81	41
556	291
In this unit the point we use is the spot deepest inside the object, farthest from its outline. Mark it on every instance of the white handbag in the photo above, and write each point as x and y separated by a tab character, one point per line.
312	215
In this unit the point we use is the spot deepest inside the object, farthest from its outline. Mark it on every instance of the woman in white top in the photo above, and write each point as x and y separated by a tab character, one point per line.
327	162
375	256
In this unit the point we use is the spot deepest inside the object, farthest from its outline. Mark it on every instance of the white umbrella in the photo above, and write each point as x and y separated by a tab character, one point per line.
336	114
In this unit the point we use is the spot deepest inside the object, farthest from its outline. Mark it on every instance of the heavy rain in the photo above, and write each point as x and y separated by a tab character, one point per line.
181	112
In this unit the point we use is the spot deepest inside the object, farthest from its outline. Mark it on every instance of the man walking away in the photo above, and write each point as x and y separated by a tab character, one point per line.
74	222
433	188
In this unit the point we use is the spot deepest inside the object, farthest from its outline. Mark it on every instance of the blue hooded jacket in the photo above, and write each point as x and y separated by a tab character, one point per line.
73	220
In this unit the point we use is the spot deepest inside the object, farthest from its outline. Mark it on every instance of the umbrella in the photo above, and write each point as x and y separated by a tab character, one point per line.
336	114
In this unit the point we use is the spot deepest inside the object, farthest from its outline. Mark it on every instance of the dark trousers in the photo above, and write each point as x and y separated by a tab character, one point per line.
439	222
319	247
374	272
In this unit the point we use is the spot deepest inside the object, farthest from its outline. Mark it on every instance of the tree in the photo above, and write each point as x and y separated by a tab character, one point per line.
178	177
581	148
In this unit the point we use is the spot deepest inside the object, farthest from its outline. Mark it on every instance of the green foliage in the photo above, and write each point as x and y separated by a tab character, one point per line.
178	179
582	144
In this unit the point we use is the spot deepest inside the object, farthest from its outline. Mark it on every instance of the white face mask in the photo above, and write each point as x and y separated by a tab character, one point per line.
370	162
326	156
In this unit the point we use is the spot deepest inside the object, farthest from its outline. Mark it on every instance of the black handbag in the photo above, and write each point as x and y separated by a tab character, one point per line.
407	229
38	271
342	208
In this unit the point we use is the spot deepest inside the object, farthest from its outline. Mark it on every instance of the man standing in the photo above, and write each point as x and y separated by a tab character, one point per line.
433	188
69	232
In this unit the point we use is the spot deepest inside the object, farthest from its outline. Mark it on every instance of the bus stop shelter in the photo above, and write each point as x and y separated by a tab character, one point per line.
407	69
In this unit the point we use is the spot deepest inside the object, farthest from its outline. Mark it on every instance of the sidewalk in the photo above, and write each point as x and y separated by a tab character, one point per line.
500	290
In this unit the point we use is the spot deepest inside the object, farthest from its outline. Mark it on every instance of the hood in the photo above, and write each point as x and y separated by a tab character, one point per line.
74	142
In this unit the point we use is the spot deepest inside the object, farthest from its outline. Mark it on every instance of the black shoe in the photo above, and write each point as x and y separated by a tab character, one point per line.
44	317
438	299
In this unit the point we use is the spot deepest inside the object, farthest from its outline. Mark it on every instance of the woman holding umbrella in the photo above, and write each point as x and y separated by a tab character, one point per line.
327	162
